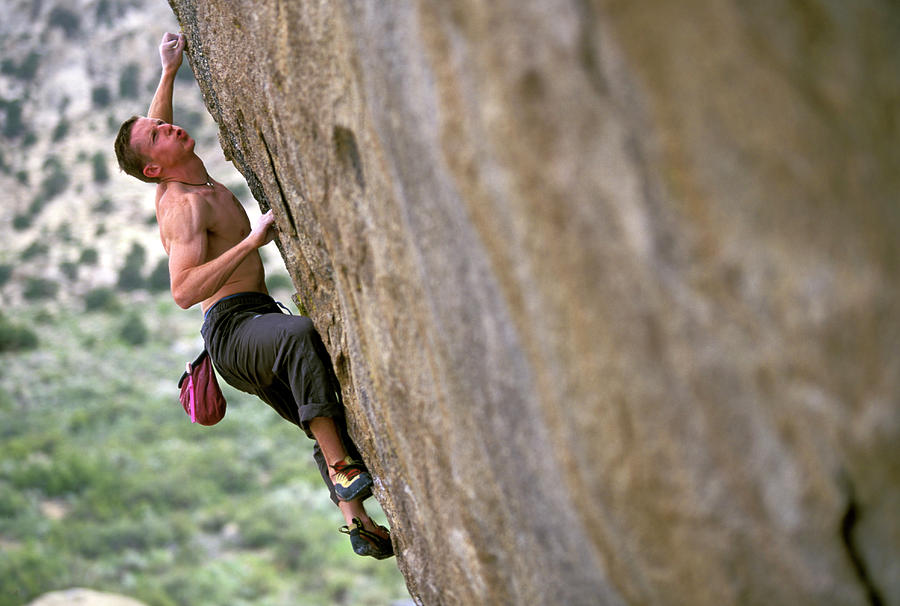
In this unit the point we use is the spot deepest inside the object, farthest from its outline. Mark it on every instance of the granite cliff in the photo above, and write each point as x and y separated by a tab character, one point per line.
611	287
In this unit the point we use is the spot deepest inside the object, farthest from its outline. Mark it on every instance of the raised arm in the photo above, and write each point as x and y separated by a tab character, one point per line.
184	232
171	50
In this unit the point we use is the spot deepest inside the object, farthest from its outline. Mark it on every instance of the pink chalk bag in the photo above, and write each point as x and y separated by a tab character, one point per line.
200	394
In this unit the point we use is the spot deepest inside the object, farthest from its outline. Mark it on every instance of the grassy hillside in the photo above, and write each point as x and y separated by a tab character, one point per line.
105	483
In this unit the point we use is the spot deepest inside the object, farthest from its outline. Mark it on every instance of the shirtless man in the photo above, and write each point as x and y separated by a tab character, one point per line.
214	260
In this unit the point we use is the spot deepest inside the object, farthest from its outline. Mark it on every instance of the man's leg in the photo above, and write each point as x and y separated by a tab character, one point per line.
325	432
342	468
329	440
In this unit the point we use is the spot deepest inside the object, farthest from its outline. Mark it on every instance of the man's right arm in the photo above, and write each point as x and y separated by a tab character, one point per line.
171	50
184	231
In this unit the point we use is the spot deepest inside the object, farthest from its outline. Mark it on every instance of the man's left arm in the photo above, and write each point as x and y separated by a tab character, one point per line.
171	50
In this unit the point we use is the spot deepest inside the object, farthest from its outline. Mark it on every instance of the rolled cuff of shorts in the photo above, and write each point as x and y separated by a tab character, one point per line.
312	410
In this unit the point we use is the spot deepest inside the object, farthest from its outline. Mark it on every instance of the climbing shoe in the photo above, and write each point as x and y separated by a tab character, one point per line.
367	543
351	480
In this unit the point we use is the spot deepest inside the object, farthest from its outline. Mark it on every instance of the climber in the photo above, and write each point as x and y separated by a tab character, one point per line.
214	260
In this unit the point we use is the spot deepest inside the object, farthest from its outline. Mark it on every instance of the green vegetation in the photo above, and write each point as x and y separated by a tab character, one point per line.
105	483
66	20
21	221
158	280
133	329
13	126
100	96
14	337
89	256
25	70
69	270
37	289
35	249
102	299
130	277
98	163
61	130
129	81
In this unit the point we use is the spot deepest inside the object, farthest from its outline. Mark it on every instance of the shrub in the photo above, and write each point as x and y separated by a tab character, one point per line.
13	126
130	275
35	249
128	81
101	173
61	130
104	206
55	181
21	222
158	280
25	70
66	20
104	12
89	256
28	68
69	269
5	273
134	330
15	337
101	299
27	572
22	177
101	96
40	288
64	233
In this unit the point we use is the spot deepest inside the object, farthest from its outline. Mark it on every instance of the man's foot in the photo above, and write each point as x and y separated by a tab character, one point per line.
376	544
351	479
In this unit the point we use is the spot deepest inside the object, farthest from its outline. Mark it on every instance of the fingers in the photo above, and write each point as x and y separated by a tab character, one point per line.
172	41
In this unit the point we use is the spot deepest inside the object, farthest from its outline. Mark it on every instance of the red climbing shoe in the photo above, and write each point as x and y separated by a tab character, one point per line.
351	479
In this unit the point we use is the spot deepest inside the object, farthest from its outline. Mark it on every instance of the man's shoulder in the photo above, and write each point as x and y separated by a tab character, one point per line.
172	197
179	208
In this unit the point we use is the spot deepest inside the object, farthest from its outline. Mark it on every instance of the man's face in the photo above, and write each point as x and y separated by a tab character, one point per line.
164	144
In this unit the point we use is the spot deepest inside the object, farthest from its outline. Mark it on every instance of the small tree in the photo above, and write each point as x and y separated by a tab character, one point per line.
101	299
129	81
15	337
101	96
101	173
134	330
40	288
158	280
130	277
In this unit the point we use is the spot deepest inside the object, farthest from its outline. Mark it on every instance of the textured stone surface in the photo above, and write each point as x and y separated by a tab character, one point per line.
83	597
611	286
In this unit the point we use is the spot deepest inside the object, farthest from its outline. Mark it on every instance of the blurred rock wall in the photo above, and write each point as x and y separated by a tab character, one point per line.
611	286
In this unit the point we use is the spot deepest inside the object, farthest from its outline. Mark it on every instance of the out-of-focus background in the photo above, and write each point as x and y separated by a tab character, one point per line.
104	483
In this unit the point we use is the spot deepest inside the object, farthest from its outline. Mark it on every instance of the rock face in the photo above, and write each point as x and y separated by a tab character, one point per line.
612	289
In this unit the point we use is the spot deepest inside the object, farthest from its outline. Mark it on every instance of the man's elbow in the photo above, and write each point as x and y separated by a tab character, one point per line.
183	299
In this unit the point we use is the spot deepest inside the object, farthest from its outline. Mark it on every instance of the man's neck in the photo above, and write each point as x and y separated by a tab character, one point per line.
190	172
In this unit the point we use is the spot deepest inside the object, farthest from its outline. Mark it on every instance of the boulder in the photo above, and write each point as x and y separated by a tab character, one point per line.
611	287
83	597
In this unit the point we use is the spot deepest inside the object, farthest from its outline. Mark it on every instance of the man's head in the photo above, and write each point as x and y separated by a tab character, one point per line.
147	148
130	161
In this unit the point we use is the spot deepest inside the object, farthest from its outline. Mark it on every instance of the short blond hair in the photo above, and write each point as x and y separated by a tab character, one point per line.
130	160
